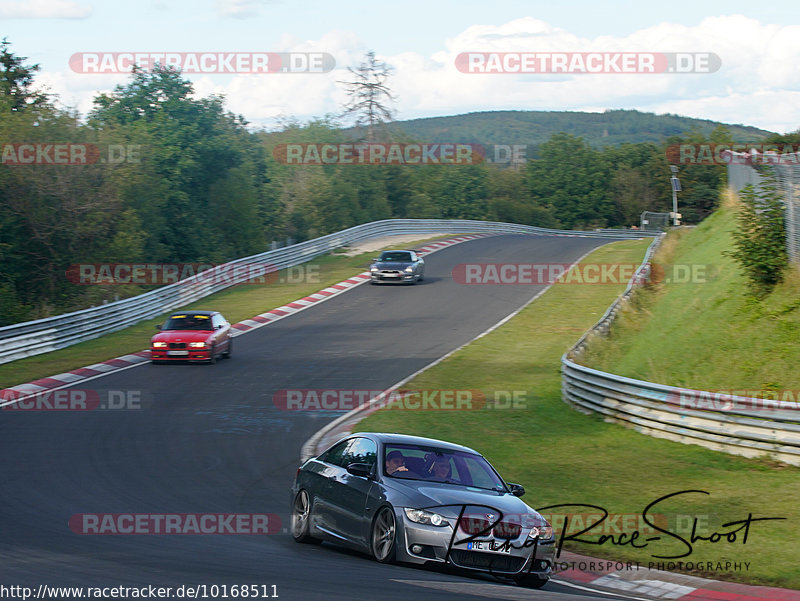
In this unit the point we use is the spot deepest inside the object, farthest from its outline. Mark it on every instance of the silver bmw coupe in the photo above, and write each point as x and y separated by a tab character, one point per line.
418	500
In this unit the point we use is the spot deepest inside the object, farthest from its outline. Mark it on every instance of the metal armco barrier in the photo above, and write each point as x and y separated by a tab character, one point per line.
735	425
43	335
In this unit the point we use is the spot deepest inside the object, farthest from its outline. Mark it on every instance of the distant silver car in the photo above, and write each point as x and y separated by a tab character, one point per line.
419	500
398	266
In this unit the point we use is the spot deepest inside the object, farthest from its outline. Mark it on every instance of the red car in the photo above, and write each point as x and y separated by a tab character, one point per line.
192	336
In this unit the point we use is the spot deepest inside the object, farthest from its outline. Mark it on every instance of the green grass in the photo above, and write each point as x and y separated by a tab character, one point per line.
563	456
712	335
236	304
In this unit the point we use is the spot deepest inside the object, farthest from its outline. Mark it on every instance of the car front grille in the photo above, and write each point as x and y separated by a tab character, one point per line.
177	345
507	530
486	561
479	526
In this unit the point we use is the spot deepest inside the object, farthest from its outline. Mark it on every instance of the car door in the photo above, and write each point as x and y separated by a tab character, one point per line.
221	332
317	479
349	493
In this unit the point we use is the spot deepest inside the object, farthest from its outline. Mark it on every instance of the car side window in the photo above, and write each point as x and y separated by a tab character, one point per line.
361	450
335	455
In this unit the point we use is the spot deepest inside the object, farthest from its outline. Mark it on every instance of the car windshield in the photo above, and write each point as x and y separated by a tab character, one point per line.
396	256
431	464
188	322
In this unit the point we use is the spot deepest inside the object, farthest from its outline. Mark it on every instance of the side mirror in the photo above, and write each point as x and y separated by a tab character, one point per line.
360	469
158	327
516	489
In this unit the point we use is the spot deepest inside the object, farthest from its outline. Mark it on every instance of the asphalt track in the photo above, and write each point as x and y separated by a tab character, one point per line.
208	439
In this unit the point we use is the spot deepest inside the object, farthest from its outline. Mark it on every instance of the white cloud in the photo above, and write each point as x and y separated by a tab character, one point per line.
43	9
242	9
757	84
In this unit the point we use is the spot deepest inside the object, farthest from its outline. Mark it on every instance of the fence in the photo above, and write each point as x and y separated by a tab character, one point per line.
744	169
43	335
741	426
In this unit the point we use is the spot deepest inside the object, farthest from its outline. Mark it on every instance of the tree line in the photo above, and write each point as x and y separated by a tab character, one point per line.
177	178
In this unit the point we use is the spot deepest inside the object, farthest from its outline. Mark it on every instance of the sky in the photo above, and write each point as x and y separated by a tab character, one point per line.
755	45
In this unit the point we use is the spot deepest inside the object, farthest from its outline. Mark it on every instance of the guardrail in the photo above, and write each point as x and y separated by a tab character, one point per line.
738	425
31	338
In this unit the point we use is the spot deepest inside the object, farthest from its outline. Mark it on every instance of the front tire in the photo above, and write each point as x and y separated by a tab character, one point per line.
227	353
301	519
384	536
212	356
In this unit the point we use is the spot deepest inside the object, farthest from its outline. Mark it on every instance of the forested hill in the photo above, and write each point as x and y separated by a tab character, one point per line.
533	128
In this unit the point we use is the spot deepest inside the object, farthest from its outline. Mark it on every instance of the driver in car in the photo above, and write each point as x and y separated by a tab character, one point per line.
395	462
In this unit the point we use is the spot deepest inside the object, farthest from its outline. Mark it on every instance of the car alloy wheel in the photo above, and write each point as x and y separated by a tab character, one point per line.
384	531
301	519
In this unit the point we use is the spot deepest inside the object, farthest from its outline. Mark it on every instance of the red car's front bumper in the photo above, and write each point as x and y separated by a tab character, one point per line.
161	354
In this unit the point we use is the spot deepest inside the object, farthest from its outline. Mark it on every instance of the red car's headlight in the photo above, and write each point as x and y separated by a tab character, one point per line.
197	345
159	345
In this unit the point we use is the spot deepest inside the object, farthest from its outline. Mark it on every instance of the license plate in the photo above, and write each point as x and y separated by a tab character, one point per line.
489	546
177	353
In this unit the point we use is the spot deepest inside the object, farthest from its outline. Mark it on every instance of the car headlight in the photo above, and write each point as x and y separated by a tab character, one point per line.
197	345
544	532
159	345
409	269
420	516
373	268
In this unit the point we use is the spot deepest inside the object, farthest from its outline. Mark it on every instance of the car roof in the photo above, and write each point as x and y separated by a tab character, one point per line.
193	312
393	438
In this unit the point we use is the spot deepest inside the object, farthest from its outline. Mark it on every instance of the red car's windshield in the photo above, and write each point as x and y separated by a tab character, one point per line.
188	322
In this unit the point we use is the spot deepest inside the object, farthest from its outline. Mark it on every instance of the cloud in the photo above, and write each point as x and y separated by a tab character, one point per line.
242	9
43	9
757	84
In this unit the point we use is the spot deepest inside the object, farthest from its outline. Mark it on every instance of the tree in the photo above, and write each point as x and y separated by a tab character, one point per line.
368	94
16	82
760	239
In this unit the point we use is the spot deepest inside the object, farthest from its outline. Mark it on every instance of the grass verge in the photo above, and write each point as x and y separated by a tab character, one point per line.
562	456
236	304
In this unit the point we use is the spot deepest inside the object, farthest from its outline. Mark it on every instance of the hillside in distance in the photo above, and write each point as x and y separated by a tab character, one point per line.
533	128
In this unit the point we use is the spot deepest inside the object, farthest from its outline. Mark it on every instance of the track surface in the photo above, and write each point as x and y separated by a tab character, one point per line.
209	439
